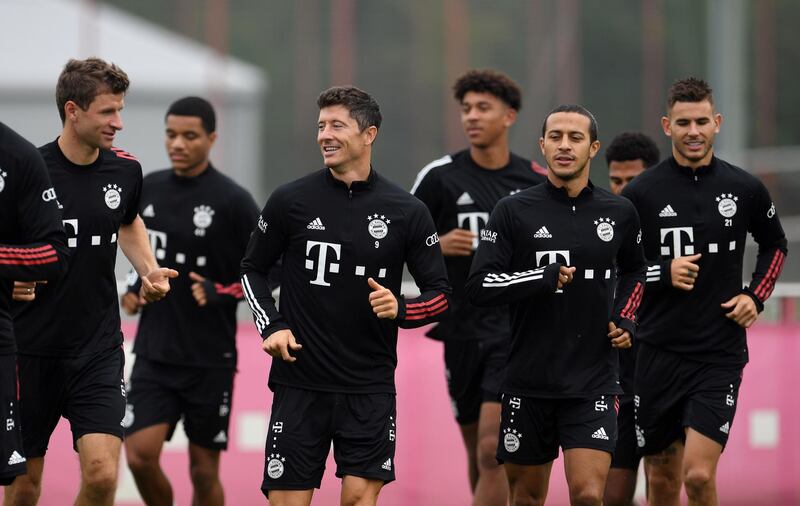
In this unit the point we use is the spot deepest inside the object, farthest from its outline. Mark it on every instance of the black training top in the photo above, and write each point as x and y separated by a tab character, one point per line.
460	194
332	240
79	315
559	342
196	224
707	211
33	246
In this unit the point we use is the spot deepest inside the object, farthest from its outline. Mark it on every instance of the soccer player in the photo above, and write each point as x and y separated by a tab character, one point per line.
70	353
696	212
628	155
199	220
555	253
34	248
460	191
344	233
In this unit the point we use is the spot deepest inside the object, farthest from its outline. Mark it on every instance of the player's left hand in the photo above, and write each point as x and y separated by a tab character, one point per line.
620	338
382	300
742	310
155	284
198	289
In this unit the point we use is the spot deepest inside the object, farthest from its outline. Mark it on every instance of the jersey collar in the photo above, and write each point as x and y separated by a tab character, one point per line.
561	193
703	170
355	186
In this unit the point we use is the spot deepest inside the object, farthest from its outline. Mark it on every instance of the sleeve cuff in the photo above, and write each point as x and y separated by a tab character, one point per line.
628	325
759	304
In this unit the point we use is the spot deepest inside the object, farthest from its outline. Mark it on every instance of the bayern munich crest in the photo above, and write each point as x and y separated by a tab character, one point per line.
605	229
726	204
378	225
275	466
511	440
112	196
203	216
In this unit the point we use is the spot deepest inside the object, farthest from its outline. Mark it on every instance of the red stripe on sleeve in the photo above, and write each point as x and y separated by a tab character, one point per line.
425	303
764	289
633	302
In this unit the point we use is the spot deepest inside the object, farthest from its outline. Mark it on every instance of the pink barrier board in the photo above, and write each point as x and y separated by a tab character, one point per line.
761	464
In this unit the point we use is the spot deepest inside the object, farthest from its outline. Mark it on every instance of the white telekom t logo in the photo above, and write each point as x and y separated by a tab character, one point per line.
322	258
473	222
676	233
552	257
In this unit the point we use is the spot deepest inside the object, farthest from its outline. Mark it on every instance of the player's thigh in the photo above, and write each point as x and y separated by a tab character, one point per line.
661	381
713	396
528	483
99	454
360	491
95	402
625	454
206	406
464	374
298	440
365	436
527	435
152	399
586	470
11	449
42	393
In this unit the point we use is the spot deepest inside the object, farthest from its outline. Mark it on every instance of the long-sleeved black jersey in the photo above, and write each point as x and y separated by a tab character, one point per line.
200	224
33	245
79	315
559	342
707	211
461	194
332	240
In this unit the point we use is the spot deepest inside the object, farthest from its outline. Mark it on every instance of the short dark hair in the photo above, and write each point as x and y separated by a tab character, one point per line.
579	109
195	106
633	146
690	89
363	108
82	80
489	81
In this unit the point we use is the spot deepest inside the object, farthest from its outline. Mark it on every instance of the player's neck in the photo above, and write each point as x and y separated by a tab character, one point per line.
77	151
493	157
573	186
192	171
693	164
357	170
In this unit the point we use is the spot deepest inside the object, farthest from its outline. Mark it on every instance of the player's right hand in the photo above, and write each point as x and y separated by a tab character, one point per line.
565	276
279	343
25	291
684	271
131	303
457	243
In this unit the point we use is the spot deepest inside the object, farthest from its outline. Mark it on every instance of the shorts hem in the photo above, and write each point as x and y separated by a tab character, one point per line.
525	462
587	447
293	486
704	433
366	476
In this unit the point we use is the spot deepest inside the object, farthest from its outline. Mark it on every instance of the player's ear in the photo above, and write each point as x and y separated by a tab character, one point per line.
594	148
511	117
370	133
666	126
718	122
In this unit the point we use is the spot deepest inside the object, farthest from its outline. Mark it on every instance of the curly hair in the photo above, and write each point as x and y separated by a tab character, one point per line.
633	146
82	80
363	108
489	81
690	89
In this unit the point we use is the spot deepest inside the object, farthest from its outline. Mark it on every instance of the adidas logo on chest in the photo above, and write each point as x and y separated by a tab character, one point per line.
465	200
667	212
543	233
315	224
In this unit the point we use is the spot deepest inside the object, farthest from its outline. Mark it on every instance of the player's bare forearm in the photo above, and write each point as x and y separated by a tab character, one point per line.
135	245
